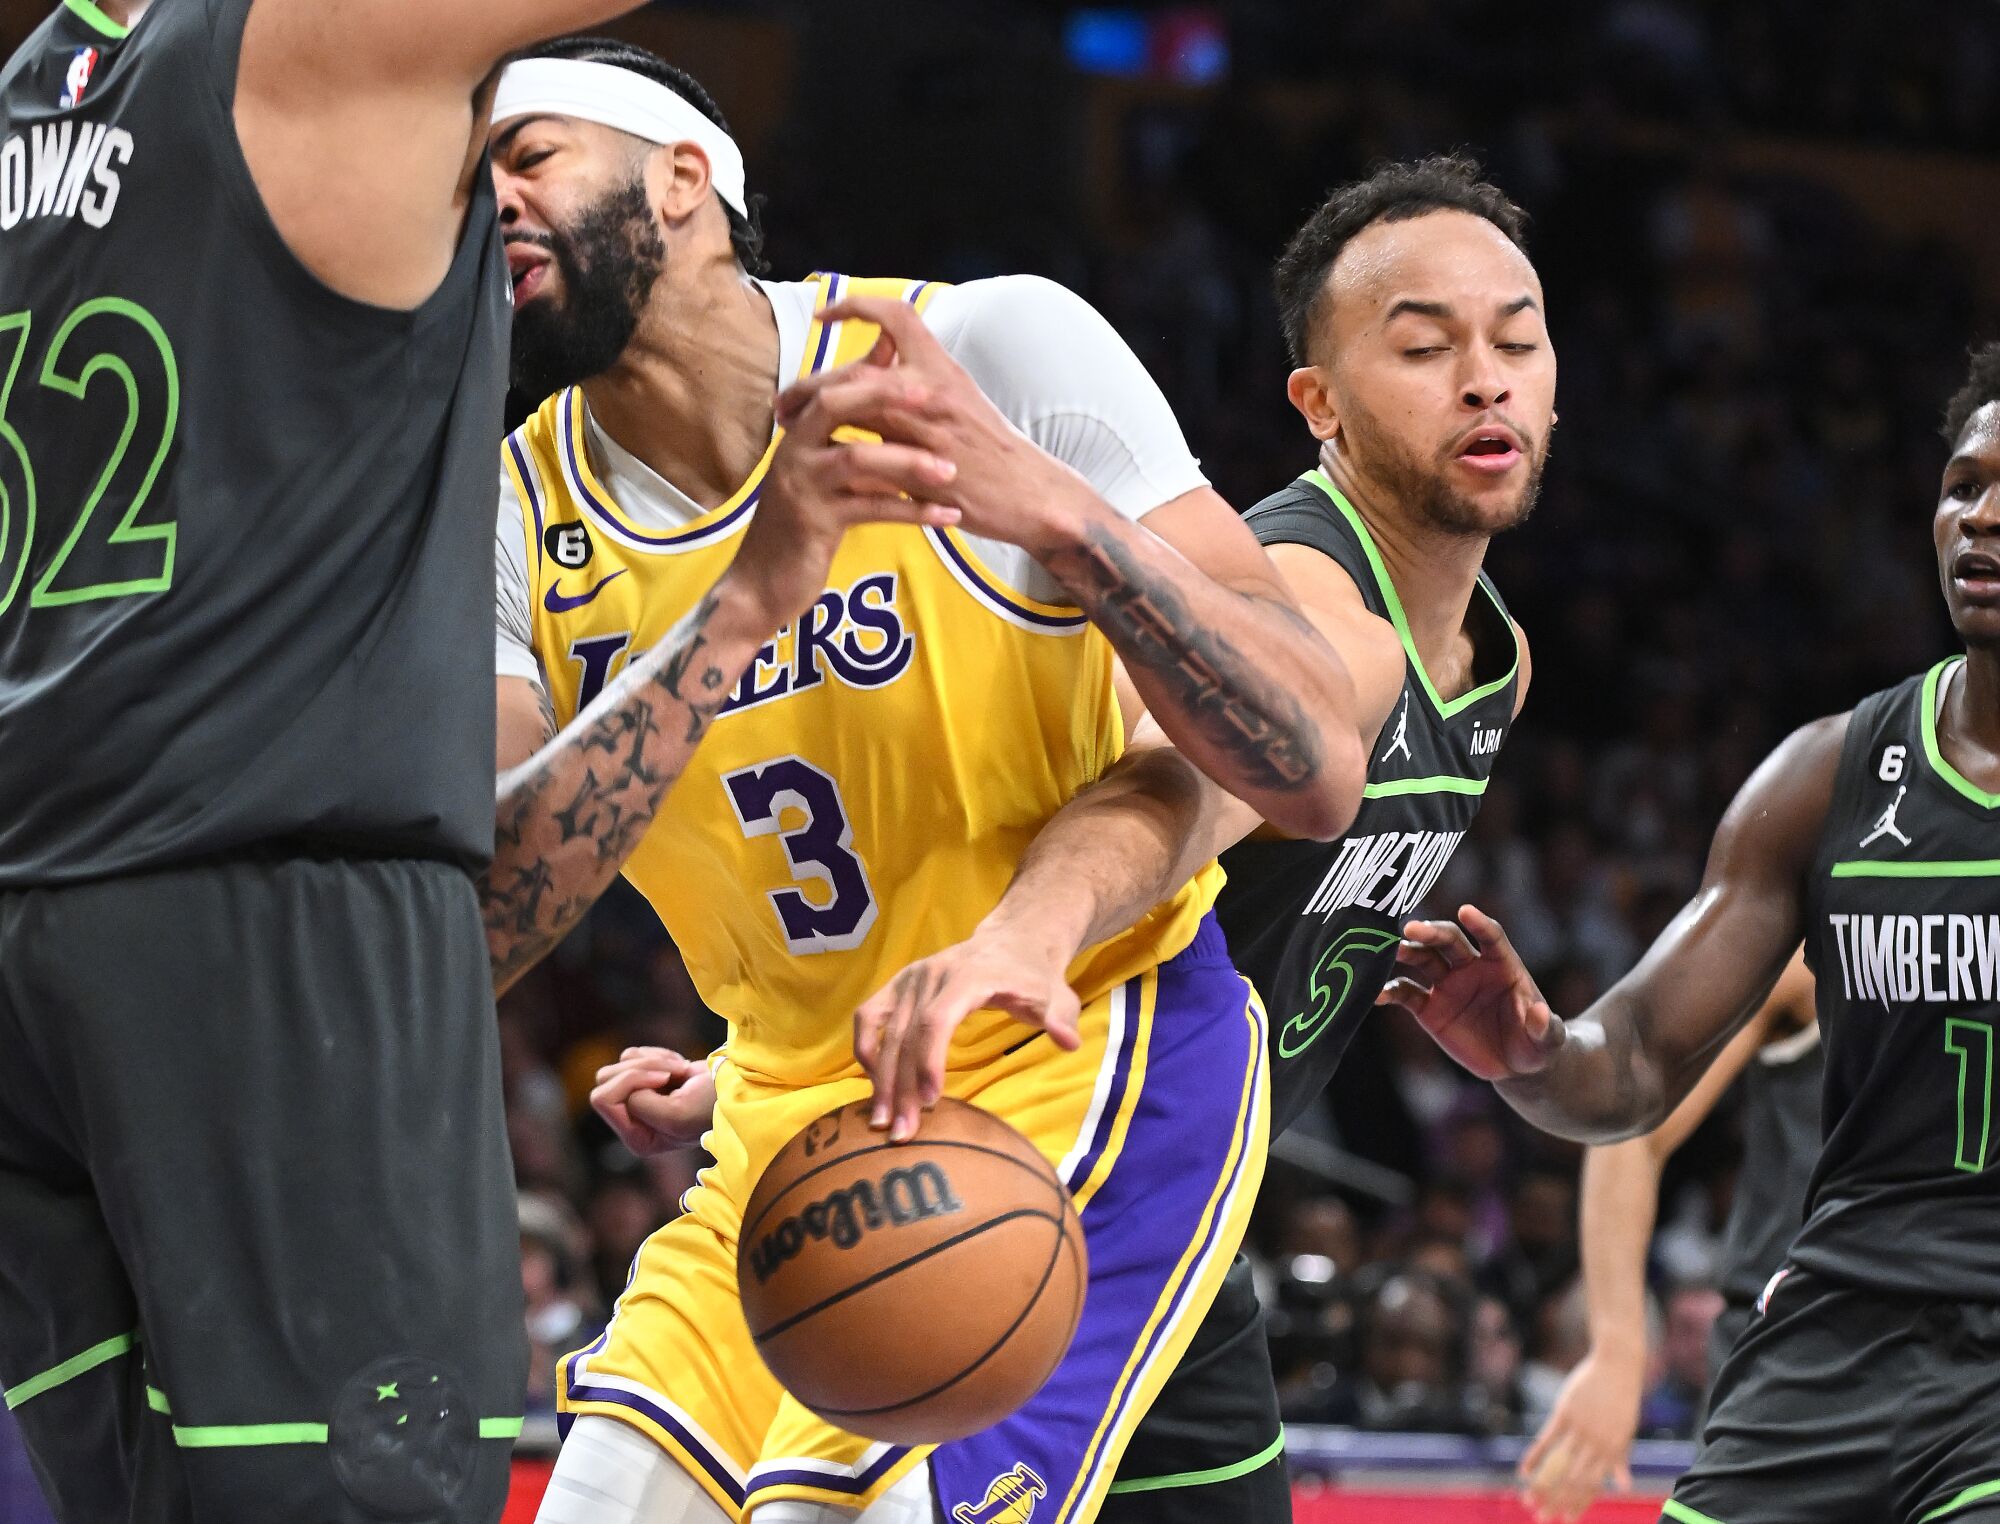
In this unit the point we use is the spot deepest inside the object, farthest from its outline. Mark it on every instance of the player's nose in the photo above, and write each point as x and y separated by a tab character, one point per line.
1982	514
507	191
1482	385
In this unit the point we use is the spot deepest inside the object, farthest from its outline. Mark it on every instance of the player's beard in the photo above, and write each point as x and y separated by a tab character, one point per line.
609	259
1424	487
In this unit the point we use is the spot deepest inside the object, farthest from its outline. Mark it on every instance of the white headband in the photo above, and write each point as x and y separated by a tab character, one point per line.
615	97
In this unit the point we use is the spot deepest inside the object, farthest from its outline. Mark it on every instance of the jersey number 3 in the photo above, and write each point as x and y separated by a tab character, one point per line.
819	843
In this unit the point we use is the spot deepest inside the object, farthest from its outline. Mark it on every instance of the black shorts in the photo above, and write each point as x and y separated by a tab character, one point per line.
1845	1406
1211	1447
259	1253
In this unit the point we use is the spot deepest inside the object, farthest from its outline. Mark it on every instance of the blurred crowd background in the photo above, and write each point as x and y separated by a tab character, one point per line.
1766	237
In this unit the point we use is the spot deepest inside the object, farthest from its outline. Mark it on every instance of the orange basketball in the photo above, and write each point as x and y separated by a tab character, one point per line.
912	1292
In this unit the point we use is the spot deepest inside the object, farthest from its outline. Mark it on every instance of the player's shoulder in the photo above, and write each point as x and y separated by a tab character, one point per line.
1000	298
1019	322
1785	804
1812	752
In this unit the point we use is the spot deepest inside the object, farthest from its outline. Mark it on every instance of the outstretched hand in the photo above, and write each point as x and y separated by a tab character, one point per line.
1468	988
903	1032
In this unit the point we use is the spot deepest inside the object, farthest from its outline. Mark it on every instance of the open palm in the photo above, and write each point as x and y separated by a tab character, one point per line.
1468	988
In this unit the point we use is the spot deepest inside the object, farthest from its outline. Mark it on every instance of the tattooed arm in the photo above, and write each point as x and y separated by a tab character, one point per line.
1105	859
1205	626
1218	649
568	817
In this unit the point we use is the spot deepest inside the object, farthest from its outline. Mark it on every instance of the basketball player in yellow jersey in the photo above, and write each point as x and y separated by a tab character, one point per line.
869	773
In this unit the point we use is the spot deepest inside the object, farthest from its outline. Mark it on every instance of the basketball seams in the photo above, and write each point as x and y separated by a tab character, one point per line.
749	1231
1032	1301
786	1324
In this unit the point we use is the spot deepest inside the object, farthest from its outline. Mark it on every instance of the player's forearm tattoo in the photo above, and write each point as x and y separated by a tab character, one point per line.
1240	709
567	819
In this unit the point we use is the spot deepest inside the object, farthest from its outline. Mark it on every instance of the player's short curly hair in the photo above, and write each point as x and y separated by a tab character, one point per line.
1982	385
1392	193
746	233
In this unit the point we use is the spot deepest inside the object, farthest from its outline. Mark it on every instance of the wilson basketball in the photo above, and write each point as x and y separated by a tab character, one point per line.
913	1292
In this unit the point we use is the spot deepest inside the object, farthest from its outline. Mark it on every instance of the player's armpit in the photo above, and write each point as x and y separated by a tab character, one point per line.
453	41
364	126
1634	1054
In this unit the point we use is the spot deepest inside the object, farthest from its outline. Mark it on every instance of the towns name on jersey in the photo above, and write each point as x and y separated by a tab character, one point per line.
1390	872
1943	959
62	169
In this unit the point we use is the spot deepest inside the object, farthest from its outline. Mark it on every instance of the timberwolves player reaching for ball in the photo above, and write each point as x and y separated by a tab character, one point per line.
1426	374
1866	1391
252	356
876	749
1584	1445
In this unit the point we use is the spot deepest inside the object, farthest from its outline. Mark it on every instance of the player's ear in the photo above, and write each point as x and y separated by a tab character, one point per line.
1313	396
677	180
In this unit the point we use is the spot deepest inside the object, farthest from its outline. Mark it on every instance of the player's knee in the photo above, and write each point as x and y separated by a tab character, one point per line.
610	1473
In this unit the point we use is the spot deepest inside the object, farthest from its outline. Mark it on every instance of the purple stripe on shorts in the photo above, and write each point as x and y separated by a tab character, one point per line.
731	1488
1114	1099
1142	1222
855	1485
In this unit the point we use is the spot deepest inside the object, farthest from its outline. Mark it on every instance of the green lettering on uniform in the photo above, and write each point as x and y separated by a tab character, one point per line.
1330	994
1971	1042
111	320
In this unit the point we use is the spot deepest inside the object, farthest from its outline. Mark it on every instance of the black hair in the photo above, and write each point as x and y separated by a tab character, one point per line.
1391	193
746	232
1982	385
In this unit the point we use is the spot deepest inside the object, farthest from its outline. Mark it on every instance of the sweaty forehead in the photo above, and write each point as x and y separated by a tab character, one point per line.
1447	256
1981	435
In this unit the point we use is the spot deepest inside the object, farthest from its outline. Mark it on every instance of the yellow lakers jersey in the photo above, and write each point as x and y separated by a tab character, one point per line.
865	795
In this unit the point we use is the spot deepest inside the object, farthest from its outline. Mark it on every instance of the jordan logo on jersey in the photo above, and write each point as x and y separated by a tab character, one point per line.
1010	1499
1401	742
1887	826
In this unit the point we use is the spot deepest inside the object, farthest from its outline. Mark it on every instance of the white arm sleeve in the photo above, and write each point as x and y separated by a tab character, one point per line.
513	628
1061	374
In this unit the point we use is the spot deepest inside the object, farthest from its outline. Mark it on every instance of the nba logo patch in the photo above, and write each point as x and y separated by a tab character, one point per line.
81	67
1010	1499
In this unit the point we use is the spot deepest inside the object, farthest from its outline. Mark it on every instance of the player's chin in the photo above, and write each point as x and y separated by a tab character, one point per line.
1494	502
1977	622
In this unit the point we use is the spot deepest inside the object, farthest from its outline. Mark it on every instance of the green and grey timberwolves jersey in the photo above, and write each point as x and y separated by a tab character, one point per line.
246	585
1904	936
1315	924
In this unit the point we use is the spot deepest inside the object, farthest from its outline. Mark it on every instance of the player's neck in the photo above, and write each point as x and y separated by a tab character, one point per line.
124	12
1434	570
693	395
1969	728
